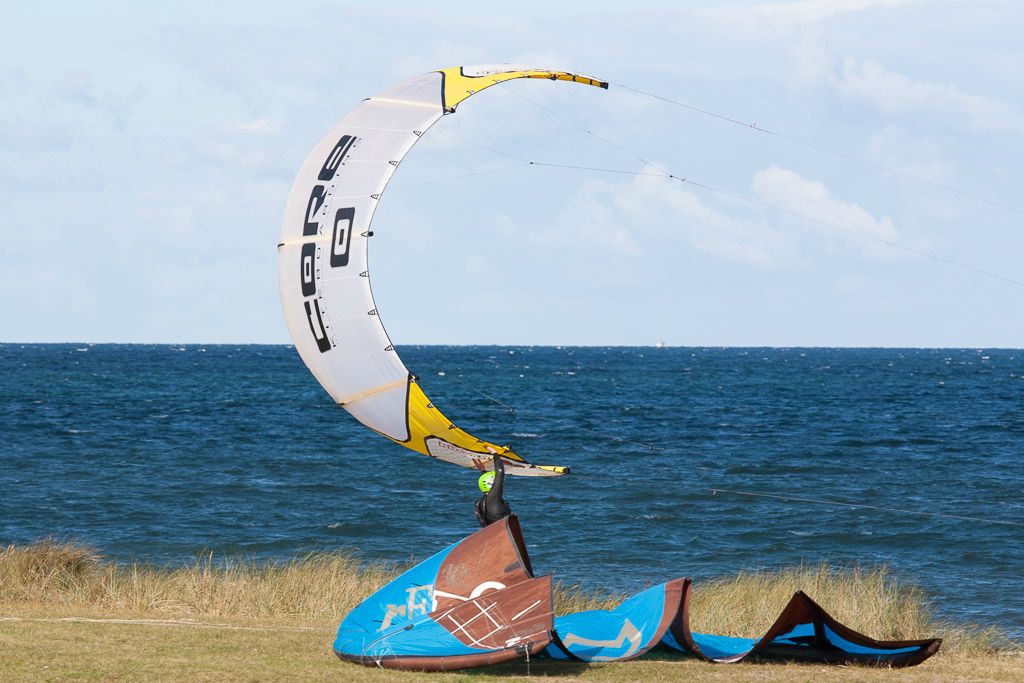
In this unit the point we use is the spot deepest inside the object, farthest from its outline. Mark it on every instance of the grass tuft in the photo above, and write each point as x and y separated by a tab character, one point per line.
317	586
321	587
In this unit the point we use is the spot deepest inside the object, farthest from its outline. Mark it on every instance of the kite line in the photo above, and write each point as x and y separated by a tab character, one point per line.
735	195
820	148
668	175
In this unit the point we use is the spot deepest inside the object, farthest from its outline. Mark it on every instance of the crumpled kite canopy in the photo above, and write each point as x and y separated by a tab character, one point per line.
472	604
477	603
658	618
324	275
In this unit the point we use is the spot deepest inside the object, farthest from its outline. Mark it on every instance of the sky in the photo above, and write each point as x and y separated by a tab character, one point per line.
147	151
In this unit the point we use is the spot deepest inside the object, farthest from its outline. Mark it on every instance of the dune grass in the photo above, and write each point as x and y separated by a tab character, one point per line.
49	589
315	586
321	587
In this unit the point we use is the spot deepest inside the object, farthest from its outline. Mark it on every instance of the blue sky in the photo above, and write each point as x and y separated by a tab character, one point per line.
146	153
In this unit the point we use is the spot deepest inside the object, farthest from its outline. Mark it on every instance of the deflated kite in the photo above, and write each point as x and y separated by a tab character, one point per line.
472	604
477	603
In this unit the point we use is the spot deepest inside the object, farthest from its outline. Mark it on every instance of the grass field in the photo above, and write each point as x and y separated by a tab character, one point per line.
66	614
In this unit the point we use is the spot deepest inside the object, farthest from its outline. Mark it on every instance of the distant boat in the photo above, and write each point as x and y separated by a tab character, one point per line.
660	345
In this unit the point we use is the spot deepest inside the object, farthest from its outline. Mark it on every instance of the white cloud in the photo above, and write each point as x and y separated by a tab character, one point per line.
816	10
221	112
890	92
784	18
893	92
77	87
919	156
790	191
74	91
592	219
650	213
260	125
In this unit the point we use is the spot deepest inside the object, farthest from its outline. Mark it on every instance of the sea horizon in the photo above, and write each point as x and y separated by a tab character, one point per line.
655	345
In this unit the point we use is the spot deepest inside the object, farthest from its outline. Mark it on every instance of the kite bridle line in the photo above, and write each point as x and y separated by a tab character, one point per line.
667	175
664	173
820	148
463	175
759	129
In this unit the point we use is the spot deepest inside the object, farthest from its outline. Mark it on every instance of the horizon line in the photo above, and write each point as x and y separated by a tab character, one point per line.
548	346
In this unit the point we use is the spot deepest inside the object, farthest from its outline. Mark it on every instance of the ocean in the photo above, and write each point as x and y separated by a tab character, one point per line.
158	453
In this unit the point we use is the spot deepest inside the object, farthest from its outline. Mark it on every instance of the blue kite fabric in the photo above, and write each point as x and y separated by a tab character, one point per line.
659	616
474	603
628	631
477	603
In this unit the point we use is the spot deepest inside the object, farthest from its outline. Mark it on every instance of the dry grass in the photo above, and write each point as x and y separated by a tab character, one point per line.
42	646
572	599
320	588
67	613
317	586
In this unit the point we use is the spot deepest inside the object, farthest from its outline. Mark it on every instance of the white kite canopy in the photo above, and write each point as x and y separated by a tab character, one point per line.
324	280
